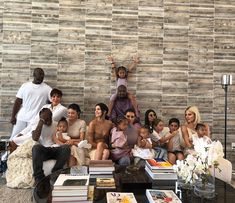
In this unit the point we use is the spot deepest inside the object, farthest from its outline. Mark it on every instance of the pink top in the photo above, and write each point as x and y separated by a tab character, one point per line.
122	81
118	138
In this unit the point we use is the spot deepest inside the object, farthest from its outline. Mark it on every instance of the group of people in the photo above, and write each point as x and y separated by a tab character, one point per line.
51	131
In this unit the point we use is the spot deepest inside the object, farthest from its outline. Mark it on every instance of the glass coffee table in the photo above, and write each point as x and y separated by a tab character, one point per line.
136	181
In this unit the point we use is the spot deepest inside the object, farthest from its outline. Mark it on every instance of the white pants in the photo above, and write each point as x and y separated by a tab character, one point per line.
18	127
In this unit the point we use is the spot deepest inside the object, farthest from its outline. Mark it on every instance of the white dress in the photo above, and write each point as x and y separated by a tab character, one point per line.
190	133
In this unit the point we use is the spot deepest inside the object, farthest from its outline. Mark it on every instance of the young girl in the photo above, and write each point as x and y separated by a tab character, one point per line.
143	150
160	137
201	130
173	146
120	151
121	74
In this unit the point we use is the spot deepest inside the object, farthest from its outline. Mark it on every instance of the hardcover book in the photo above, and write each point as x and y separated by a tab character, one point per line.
101	163
161	175
159	165
105	183
120	197
67	181
162	196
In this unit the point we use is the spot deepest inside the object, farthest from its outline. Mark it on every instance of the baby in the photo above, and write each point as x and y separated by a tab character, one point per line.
61	132
143	150
201	130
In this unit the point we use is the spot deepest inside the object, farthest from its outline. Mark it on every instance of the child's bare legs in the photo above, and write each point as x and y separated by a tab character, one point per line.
105	155
171	157
170	145
134	103
111	104
101	151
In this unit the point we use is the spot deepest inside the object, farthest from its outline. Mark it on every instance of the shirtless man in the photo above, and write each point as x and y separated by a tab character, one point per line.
98	133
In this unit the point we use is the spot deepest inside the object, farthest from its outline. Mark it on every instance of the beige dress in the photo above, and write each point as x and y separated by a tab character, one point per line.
74	131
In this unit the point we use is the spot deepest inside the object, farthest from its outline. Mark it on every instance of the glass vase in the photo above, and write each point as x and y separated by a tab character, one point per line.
205	186
183	185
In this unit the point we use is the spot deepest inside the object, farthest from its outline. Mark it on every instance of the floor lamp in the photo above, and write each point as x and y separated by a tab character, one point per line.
226	80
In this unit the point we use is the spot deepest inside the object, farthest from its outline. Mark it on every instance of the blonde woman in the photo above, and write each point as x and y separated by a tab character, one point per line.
192	118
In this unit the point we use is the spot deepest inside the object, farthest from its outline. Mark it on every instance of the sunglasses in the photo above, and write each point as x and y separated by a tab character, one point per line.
130	116
152	114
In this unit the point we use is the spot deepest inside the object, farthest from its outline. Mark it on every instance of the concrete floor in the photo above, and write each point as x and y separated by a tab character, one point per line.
9	195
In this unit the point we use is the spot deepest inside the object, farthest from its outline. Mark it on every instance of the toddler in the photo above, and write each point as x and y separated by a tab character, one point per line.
120	151
61	135
143	150
160	137
173	146
121	74
201	130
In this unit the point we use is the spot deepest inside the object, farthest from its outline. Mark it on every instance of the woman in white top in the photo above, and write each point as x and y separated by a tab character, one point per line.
192	118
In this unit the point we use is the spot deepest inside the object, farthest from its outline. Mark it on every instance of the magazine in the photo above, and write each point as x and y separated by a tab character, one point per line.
162	196
120	197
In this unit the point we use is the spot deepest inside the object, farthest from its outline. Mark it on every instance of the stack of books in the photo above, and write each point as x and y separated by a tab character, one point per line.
101	167
161	196
120	197
72	188
160	169
105	183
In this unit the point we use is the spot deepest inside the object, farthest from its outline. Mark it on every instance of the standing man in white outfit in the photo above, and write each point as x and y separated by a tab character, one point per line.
29	100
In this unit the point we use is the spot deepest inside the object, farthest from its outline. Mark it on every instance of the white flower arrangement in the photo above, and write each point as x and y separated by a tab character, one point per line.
204	156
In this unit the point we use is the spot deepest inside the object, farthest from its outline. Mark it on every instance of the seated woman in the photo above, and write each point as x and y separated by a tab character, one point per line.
98	133
58	111
132	128
76	132
149	117
192	118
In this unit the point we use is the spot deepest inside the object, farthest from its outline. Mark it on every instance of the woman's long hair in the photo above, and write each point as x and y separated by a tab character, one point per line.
104	109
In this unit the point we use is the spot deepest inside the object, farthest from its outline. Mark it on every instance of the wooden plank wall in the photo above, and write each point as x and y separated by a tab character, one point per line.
185	46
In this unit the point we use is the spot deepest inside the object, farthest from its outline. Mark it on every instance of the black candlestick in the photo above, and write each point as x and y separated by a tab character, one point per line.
225	81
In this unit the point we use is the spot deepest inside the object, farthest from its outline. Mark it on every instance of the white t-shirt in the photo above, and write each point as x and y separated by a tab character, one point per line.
58	112
46	134
157	136
33	96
